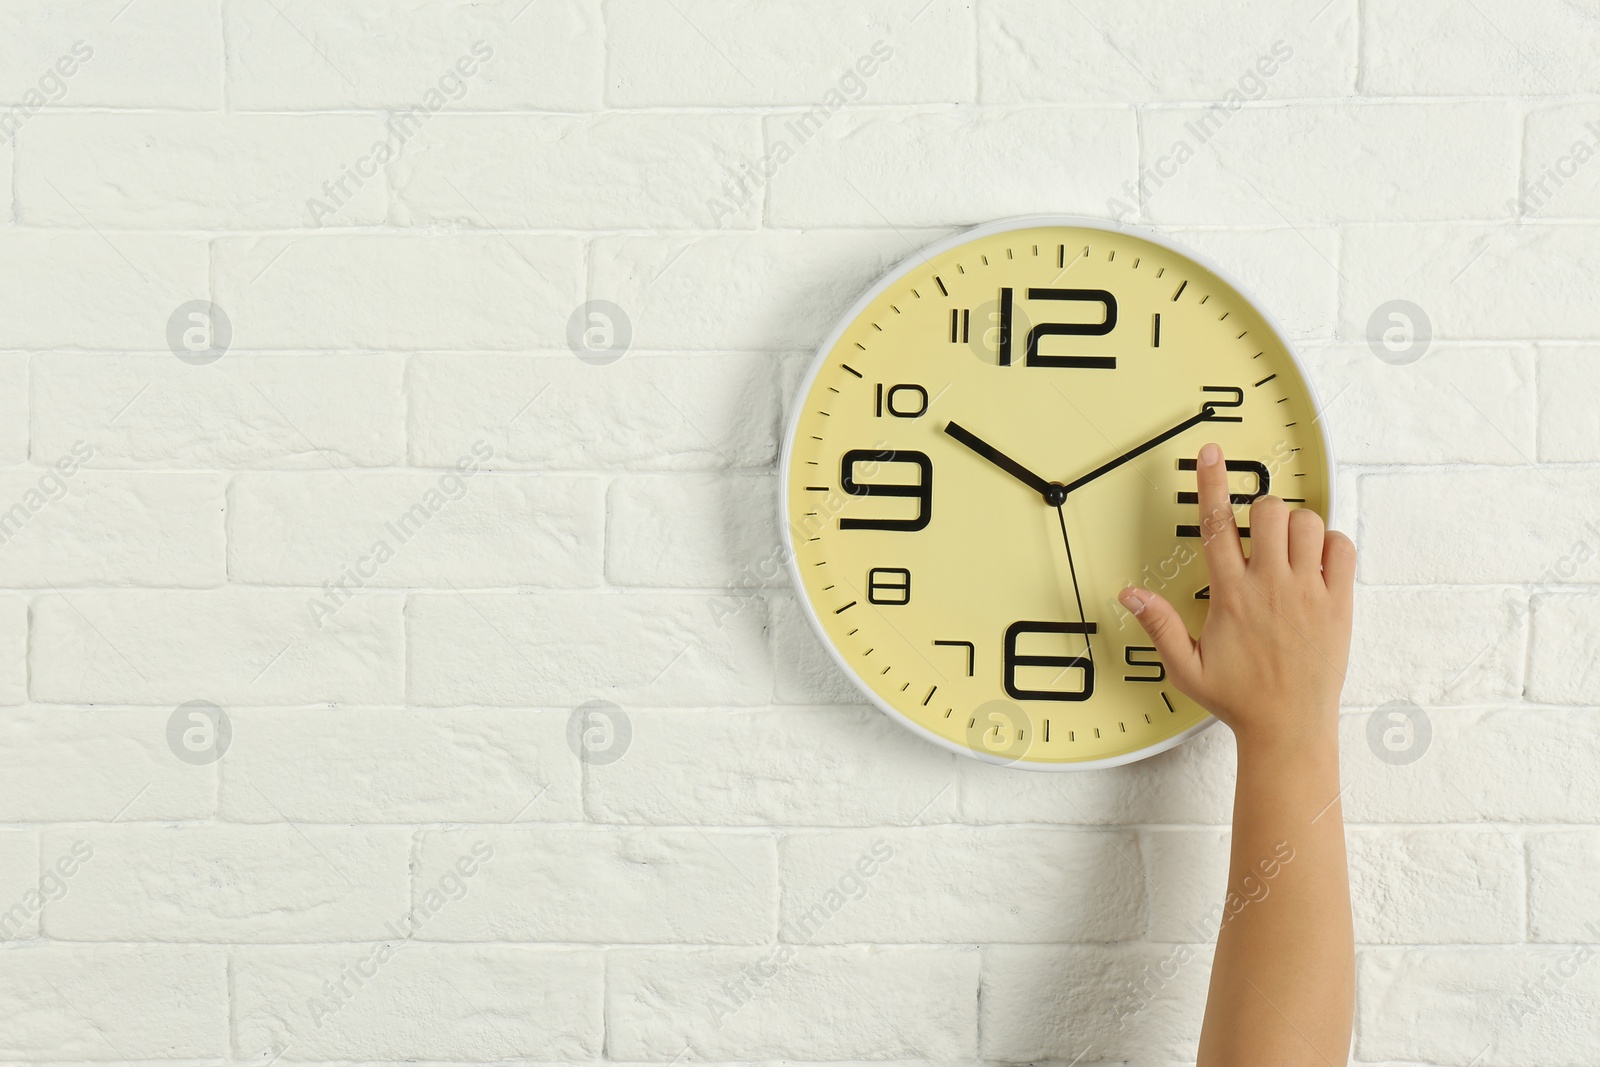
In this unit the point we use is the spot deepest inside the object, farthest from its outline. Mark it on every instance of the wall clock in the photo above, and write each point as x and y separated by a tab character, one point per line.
997	438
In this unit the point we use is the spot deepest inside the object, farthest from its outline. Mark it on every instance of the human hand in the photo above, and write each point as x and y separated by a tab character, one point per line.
1271	657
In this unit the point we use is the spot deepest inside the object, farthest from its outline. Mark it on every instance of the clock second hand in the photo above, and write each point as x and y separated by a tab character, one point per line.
1077	593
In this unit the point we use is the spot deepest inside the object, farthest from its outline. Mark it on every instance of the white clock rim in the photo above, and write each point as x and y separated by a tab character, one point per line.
895	273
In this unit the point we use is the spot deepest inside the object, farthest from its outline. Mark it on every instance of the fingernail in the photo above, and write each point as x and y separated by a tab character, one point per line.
1131	601
1210	455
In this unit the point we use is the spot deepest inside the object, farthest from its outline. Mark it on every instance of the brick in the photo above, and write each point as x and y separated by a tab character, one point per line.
458	527
693	531
561	649
481	1002
791	766
13	406
849	172
612	171
1288	272
1569	425
1394	161
1516	524
817	56
1504	1005
767	1002
175	171
627	886
228	646
1557	180
1443	646
114	1002
242	411
1433	887
1186	876
301	55
936	884
105	528
22	891
1460	276
396	291
1562	897
399	765
789	288
1564	648
78	288
231	884
1127	1003
1192	783
554	412
1511	764
167	57
1457	404
1121	56
116	760
806	674
1437	49
13	650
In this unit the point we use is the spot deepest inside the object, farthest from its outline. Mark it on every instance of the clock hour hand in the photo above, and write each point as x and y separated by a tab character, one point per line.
1051	491
1139	450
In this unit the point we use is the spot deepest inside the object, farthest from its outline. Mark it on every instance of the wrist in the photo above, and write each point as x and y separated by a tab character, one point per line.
1301	744
1296	776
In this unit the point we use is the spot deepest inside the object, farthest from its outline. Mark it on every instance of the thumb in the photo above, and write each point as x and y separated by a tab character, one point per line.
1167	632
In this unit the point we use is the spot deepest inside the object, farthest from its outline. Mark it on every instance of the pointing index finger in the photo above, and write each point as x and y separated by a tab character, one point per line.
1219	533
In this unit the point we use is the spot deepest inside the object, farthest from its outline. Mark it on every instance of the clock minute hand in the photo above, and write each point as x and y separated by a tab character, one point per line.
1133	453
1004	462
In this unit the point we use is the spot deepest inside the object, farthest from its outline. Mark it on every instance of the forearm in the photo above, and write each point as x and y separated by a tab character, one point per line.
1270	663
1282	984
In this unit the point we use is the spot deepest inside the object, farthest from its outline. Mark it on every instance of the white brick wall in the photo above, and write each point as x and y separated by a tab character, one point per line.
399	856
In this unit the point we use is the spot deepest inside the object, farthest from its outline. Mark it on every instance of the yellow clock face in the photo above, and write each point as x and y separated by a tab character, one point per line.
999	438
